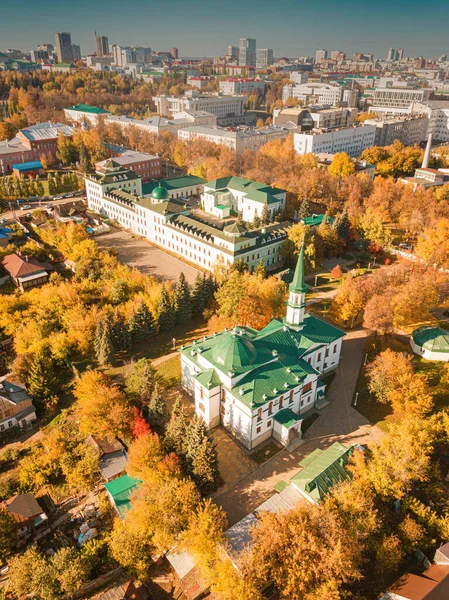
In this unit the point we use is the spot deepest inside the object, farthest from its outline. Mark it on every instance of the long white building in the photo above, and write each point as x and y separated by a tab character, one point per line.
398	97
352	140
409	130
320	93
116	193
238	141
220	106
235	86
158	124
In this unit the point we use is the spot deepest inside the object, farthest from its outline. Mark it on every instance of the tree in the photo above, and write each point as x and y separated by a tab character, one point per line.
157	410
70	568
307	553
200	294
336	273
8	533
378	314
41	382
101	408
166	315
182	304
121	338
139	383
141	325
342	225
385	371
140	425
201	455
144	455
103	343
342	165
175	434
348	301
32	573
265	216
304	210
261	270
131	549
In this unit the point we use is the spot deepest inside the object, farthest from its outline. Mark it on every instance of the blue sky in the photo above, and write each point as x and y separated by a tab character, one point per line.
199	27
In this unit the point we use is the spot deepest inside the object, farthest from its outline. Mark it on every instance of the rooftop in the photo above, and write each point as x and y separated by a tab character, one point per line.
120	490
46	131
434	339
175	183
87	108
28	166
18	266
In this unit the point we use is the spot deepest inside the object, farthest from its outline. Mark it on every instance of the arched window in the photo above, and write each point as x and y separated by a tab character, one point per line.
270	408
259	414
281	402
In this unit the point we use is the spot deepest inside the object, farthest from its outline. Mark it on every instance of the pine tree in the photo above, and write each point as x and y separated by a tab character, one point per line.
58	182
104	346
121	338
141	325
265	217
175	433
199	294
41	382
39	187
256	221
51	185
166	315
304	209
157	410
260	269
140	383
182	304
211	288
201	455
343	226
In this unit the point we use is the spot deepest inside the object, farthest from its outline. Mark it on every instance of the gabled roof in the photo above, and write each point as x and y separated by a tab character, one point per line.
46	131
208	379
24	505
259	192
20	267
120	490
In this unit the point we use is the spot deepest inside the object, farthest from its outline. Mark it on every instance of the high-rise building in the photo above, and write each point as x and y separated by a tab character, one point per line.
101	45
233	52
264	58
76	52
320	55
338	55
64	49
46	48
37	55
391	54
400	54
174	52
247	52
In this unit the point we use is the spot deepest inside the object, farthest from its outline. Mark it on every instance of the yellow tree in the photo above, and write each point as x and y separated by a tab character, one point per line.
433	244
342	165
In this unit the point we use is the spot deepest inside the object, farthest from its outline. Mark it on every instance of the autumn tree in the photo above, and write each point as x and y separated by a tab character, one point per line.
433	244
140	425
8	533
385	371
342	165
336	273
378	314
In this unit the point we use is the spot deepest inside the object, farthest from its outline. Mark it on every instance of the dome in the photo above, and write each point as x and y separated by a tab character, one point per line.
234	352
433	339
159	193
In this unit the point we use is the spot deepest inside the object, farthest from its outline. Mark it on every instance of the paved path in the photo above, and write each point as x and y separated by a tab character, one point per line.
135	252
439	314
338	422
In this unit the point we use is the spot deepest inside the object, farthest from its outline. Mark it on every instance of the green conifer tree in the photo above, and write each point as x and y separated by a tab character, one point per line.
141	325
51	185
256	222
343	226
121	338
175	433
182	304
42	384
39	187
201	455
265	217
260	269
58	182
166	316
105	350
198	293
139	384
157	412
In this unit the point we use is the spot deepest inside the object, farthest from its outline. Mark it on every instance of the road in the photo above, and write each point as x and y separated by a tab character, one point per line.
338	421
35	206
135	252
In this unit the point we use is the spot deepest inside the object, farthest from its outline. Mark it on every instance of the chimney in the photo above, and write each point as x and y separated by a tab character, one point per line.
425	162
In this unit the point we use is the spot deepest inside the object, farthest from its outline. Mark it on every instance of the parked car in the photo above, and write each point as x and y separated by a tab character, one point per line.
58	197
26	207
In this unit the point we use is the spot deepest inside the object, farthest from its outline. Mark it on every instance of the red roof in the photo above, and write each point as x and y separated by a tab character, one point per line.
18	266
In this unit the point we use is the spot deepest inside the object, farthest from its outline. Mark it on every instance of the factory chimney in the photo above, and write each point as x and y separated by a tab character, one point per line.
425	162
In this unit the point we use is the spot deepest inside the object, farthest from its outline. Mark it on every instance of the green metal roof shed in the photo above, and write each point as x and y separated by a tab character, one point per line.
119	491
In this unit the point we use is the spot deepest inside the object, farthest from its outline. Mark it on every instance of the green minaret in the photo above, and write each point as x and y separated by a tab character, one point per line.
297	295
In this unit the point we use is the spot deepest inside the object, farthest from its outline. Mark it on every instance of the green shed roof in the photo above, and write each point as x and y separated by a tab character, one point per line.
434	339
326	469
120	490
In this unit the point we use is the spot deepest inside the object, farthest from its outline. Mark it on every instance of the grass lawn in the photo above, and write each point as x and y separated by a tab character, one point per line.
324	282
169	371
265	453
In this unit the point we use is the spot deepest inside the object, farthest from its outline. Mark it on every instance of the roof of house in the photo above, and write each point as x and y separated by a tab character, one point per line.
25	506
281	502
239	535
87	108
433	584
434	339
120	490
287	418
12	392
46	131
175	183
21	267
259	192
322	469
28	166
11	146
125	591
113	464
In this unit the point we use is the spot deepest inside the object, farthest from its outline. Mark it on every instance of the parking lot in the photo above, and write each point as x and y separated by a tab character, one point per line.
135	252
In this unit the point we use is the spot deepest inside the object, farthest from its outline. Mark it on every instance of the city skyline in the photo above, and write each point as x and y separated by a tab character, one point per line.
305	31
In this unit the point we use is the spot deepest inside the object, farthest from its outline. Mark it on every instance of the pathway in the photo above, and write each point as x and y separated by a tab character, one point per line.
339	421
439	314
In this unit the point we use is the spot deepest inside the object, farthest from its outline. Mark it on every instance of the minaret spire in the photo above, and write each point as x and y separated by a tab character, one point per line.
297	285
297	295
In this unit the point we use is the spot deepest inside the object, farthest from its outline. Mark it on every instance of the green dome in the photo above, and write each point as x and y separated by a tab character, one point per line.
159	193
433	339
234	352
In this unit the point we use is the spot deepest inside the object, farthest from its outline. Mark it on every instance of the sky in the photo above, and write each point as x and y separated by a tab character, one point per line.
205	28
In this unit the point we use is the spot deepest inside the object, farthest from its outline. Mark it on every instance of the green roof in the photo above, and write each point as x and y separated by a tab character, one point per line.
316	220
258	192
65	65
175	183
120	490
234	352
160	193
208	379
298	286
322	470
87	108
434	339
287	418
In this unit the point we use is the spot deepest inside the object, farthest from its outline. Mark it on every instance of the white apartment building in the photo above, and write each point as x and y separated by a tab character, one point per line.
398	97
237	141
220	106
159	124
116	193
410	130
235	86
352	140
314	93
437	112
299	77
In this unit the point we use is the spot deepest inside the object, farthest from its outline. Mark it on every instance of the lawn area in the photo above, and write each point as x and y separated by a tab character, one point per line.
169	371
266	452
324	282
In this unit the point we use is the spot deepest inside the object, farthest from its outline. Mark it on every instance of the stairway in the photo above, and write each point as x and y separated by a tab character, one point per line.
294	440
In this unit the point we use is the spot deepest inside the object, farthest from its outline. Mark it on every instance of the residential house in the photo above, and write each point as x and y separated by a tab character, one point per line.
26	510
112	456
16	407
130	590
26	271
84	114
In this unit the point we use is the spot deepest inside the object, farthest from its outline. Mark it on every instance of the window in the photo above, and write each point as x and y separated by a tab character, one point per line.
270	408
268	424
307	388
335	348
201	407
258	430
281	402
223	395
319	356
223	409
259	415
291	397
